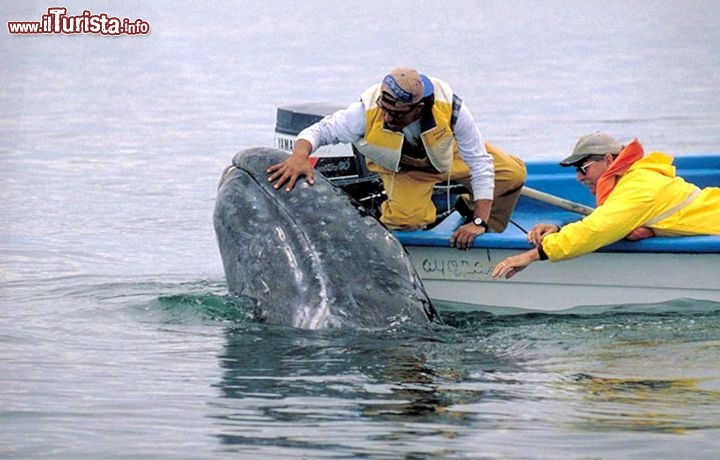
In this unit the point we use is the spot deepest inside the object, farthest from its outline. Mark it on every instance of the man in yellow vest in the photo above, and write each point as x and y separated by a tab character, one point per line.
415	132
637	197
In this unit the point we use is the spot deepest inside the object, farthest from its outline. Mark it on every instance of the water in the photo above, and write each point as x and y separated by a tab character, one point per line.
119	339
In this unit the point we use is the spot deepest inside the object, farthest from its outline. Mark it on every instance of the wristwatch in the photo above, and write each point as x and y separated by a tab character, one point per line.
480	223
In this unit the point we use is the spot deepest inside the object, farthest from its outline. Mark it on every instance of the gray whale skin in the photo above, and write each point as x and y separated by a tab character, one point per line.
309	258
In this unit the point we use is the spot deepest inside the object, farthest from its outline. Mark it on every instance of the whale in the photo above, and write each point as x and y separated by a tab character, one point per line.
311	258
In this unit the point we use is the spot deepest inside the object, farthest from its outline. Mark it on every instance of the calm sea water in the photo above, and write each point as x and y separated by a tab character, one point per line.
118	338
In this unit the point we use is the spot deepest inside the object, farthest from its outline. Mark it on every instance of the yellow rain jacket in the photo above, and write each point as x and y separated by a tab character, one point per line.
647	194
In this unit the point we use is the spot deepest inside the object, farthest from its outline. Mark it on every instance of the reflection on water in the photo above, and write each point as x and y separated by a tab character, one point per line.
437	392
660	406
359	389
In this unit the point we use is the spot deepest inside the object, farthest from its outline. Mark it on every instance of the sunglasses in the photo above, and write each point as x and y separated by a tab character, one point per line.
394	114
583	169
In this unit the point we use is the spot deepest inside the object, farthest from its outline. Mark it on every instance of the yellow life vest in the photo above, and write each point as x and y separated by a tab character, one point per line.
384	147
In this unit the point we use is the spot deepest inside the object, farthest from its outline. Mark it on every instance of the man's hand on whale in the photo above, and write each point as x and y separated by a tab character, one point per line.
290	170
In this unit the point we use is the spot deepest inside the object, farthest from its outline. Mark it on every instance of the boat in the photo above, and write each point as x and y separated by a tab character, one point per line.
650	271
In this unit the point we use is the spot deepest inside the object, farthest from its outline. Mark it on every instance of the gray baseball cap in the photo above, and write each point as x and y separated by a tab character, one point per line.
596	143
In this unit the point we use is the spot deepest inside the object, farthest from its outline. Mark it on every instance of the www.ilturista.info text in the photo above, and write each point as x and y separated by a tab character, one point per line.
57	21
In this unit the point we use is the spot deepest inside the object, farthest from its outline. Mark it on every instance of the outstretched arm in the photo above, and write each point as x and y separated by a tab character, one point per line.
514	264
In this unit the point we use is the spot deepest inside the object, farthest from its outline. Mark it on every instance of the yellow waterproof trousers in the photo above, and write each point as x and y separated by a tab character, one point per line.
409	203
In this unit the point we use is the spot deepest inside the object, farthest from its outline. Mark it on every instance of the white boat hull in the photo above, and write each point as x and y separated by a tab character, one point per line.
463	277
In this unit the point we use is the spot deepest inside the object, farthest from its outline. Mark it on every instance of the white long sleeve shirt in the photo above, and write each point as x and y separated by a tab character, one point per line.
348	125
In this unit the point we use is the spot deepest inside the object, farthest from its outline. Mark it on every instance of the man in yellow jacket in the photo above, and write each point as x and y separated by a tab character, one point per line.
637	197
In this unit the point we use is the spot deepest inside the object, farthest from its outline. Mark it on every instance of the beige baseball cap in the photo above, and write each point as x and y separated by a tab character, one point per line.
596	143
402	87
